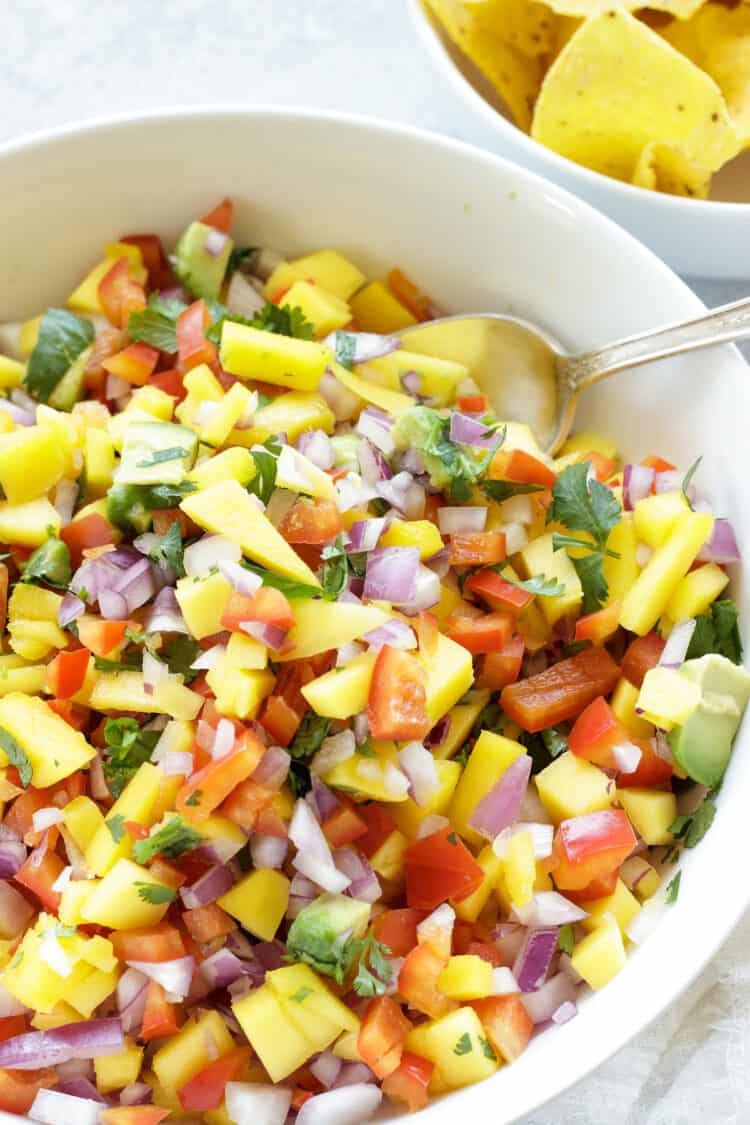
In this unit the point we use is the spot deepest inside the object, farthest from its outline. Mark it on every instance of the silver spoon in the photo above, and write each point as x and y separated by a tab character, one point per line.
529	378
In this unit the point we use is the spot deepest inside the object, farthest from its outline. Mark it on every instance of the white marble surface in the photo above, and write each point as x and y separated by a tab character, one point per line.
64	60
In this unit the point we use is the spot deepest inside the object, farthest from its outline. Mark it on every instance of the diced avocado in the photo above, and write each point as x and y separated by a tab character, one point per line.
703	744
198	270
320	931
156	453
70	388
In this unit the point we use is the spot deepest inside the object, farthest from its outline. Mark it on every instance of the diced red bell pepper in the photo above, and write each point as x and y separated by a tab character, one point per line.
498	669
381	1035
507	1023
397	929
66	673
488	633
652	772
112	291
590	846
499	594
428	633
192	346
477	548
101	637
604	467
170	382
597	888
74	715
658	464
39	878
439	867
562	691
149	943
220	216
396	704
596	732
133	1115
246	803
520	466
380	825
10	1026
598	627
344	825
418	981
266	605
205	1090
418	302
160	1018
134	364
83	534
207	923
18	1088
473	404
410	1081
312	522
280	719
641	656
208	787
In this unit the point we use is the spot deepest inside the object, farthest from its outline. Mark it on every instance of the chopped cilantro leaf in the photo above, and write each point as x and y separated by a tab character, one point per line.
279	319
555	741
717	631
61	339
566	939
463	1046
487	1049
300	995
299	779
171	840
335	569
687	479
178	654
127	747
452	838
539	584
310	734
673	889
585	505
691	828
500	490
174	453
155	893
170	551
288	586
345	349
116	826
157	323
17	757
374	970
194	799
264	481
239	257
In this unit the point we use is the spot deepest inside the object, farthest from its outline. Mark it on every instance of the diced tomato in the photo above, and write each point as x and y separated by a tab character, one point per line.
520	466
397	929
652	772
89	531
489	633
641	655
487	951
133	1115
154	258
266	605
20	816
74	715
344	825
112	291
207	923
66	673
381	1035
269	823
417	981
10	1026
439	867
134	364
588	847
100	636
500	595
473	404
598	627
246	803
416	300
396	704
596	732
380	825
208	787
597	888
432	505
313	522
170	382
149	943
428	632
39	878
107	342
18	1088
280	719
159	1016
604	467
192	346
477	548
220	216
410	1081
205	1090
498	669
507	1023
562	691
658	464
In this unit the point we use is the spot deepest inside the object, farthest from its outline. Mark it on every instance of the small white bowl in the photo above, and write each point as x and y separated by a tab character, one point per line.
478	233
697	238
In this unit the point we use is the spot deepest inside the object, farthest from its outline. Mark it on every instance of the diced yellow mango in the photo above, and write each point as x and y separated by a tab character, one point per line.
571	786
227	509
620	905
655	516
287	1049
298	473
31	462
347	1047
292	413
53	747
251	353
393	402
696	591
466	977
99	460
327	268
82	818
33	640
375	309
220	828
320	1003
450	602
33	603
469	909
647	599
367	776
323	309
234	404
113	1072
450	674
136	803
462	719
244	653
519	868
641	876
29	524
538	557
587	441
652	813
422	534
409	815
202	601
490	758
258	901
200	1041
117	901
240	693
320	626
125	691
74	896
457	1045
438	378
11	372
620	573
388	860
600	955
666	698
623	703
230	464
26	678
86	297
344	691
61	1015
28	336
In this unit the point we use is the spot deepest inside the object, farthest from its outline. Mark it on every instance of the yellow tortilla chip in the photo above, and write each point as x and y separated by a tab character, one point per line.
506	40
663	168
618	86
717	39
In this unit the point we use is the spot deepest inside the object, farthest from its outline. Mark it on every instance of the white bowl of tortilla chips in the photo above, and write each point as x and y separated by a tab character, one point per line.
646	116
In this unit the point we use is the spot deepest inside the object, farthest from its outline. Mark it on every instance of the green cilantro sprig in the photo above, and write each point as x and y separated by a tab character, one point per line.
128	746
173	839
17	757
580	504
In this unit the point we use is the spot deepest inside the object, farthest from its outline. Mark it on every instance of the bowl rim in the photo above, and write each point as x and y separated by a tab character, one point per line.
442	1111
431	38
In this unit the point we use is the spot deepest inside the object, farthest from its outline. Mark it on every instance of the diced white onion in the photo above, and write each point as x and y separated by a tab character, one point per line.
207	552
503	982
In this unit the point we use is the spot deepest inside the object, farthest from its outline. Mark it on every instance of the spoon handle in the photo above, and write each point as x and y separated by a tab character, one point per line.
717	326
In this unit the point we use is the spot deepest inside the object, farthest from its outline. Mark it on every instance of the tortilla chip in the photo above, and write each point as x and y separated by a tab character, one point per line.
616	87
717	39
663	168
506	40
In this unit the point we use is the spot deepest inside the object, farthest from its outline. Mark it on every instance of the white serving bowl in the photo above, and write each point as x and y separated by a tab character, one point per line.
479	234
696	237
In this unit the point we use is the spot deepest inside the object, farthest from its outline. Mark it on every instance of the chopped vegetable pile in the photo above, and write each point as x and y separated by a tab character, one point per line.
345	737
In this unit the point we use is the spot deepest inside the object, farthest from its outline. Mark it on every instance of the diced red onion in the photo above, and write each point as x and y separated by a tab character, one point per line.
627	756
344	1105
208	887
541	837
353	492
678	642
566	966
215	241
461	521
721	546
270	954
51	1107
15	912
545	1001
503	982
376	427
269	635
35	1050
637	481
411	381
439	563
414	501
222	968
395	633
548	908
268	851
500	807
361	728
470	431
313	857
273	768
112	605
391	574
437	927
173	976
567	1010
348	652
316	446
208	551
136	584
137	1093
322	800
20	416
302	887
419	766
209	657
426	592
326	1068
165	615
534	958
53	954
224	738
395	782
333	751
367	345
394	492
219	849
63	879
66	494
46	817
518	509
71	608
353	1072
439	733
364	534
155	672
372	464
251	1103
79	1088
116	388
365	885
